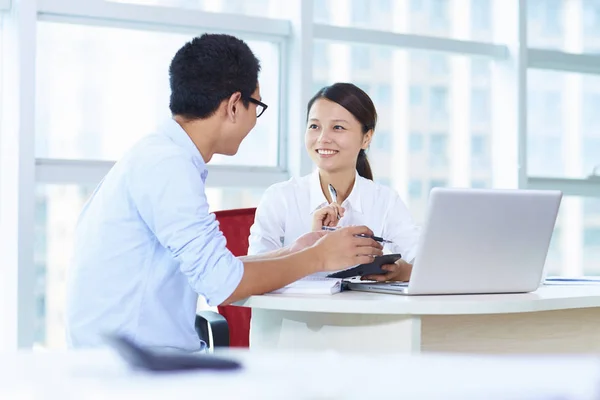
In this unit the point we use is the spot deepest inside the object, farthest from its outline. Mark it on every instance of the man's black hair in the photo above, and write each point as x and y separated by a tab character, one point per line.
208	70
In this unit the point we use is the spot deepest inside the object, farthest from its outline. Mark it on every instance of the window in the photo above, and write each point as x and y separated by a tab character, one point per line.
438	150
382	95
382	140
591	105
478	184
591	208
361	11
322	11
548	25
259	8
591	237
317	86
480	158
591	15
590	146
56	227
553	126
576	245
438	13
438	64
416	5
478	145
105	88
415	142
552	17
480	106
437	183
480	68
553	258
425	17
361	57
415	189
320	55
544	23
438	103
384	54
481	15
416	95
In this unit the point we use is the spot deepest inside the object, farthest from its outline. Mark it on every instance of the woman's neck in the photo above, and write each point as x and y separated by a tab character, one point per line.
342	181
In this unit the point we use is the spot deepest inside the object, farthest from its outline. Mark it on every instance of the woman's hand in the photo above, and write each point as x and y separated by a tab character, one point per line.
306	240
399	271
327	216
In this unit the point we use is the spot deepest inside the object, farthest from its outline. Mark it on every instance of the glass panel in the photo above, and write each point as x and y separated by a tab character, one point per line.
568	25
104	88
423	17
259	8
56	213
417	94
563	124
575	246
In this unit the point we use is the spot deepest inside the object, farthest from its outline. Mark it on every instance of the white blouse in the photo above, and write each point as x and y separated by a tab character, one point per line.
285	213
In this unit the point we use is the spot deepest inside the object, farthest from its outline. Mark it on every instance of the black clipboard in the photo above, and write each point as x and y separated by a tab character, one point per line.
372	268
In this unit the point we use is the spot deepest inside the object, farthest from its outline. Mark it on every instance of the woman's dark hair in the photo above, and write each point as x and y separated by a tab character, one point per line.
359	104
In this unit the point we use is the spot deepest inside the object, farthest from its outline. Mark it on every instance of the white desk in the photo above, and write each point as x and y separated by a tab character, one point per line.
306	375
554	319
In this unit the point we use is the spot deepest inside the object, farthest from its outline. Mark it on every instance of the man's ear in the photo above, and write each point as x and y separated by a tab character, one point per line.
233	105
367	137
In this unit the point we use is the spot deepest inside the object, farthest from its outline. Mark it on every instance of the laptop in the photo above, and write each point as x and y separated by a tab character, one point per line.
477	241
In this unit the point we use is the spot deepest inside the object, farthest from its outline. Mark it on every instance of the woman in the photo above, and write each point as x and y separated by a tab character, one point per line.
340	125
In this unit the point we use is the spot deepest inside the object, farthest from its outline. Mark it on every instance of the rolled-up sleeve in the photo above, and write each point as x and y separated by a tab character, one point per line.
170	198
268	230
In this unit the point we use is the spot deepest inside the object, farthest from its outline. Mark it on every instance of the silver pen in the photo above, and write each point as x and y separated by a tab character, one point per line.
333	195
375	238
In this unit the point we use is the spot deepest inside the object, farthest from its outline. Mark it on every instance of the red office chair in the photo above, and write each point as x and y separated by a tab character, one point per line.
235	225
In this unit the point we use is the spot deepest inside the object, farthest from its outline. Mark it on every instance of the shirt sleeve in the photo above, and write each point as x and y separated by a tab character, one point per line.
268	230
400	229
173	204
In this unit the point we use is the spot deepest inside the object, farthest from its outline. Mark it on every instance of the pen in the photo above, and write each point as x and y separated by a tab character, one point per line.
333	194
375	238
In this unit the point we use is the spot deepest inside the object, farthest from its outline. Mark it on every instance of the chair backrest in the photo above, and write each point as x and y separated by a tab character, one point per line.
235	225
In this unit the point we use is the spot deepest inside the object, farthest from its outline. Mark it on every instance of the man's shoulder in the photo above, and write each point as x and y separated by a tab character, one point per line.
154	152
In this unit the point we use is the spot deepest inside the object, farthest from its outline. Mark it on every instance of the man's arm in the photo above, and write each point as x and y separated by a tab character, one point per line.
303	242
263	274
332	252
267	256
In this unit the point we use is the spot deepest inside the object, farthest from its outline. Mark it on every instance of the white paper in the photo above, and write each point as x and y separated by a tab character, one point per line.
312	284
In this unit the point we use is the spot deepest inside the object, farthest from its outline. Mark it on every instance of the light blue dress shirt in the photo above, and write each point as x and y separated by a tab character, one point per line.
146	246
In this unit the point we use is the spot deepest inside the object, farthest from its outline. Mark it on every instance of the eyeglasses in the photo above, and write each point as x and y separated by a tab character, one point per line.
260	106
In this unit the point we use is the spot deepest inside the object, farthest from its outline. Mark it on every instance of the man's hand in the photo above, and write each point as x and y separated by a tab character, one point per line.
342	248
327	216
399	271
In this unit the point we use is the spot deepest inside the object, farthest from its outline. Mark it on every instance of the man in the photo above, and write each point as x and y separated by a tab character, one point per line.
146	245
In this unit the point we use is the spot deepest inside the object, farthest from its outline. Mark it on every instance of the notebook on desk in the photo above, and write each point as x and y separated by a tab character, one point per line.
313	284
